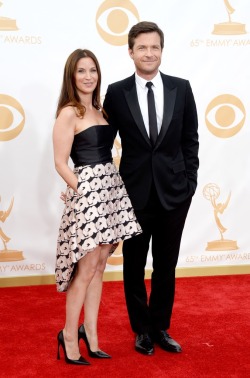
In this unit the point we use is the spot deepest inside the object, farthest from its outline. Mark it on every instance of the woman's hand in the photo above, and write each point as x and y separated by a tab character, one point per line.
63	197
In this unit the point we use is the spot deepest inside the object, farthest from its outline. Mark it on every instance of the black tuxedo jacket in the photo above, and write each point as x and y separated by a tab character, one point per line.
172	163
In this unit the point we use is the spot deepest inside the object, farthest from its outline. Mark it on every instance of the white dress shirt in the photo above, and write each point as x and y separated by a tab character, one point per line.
142	92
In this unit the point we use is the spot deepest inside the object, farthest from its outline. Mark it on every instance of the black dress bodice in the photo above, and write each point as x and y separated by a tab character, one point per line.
93	145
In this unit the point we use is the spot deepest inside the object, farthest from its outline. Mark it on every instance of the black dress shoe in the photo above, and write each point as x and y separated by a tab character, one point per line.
143	344
166	342
96	354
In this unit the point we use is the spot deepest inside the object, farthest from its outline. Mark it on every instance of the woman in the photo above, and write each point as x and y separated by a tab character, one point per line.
98	213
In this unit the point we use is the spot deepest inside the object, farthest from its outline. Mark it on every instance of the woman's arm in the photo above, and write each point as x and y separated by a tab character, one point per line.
63	136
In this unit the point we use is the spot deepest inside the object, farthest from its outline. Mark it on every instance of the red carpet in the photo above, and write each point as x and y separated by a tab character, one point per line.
211	320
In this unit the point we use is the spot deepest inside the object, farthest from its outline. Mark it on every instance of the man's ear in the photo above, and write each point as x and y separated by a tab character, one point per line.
131	54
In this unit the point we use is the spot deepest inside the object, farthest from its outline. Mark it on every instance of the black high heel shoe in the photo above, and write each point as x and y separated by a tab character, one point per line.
98	353
80	361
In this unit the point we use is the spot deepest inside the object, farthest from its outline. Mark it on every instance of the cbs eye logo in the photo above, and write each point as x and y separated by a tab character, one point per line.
225	116
12	118
114	19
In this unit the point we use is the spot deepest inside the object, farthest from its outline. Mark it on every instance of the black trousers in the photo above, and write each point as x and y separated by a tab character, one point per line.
153	312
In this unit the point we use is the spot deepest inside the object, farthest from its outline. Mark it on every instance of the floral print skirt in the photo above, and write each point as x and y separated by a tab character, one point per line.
100	213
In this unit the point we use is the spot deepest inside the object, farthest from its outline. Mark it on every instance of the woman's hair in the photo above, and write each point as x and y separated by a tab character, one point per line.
69	95
144	27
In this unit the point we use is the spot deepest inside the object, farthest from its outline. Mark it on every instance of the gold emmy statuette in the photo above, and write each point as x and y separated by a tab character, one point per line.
116	258
229	28
211	192
117	154
7	23
8	254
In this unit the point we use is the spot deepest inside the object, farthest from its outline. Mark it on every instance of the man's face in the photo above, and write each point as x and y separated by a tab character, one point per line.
146	54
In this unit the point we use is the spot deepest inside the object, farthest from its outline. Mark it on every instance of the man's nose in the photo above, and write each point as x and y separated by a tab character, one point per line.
149	52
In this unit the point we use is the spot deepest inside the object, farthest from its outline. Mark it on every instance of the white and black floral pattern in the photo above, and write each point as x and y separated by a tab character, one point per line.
101	213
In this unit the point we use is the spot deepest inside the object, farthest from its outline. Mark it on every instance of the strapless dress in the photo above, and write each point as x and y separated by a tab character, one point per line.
101	211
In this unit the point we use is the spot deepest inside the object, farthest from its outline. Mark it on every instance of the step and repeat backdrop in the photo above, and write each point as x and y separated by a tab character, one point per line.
206	42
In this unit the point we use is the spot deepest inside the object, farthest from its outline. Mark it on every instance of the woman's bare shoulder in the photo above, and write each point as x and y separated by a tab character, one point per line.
66	120
68	112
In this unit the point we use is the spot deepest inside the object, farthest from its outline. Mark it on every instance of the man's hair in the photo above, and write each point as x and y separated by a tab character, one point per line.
144	27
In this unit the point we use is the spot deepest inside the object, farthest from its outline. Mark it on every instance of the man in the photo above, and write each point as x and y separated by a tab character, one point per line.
159	169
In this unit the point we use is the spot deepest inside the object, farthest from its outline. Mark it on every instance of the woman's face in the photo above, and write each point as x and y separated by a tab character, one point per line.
86	76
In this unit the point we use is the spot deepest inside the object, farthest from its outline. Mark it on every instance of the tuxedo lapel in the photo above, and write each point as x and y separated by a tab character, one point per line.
169	103
132	100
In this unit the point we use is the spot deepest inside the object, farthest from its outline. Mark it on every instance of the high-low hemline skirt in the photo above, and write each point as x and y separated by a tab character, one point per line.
100	213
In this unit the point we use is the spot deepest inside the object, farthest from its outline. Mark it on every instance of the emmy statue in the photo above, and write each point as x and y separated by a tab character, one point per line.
229	28
7	23
211	192
7	254
117	154
116	258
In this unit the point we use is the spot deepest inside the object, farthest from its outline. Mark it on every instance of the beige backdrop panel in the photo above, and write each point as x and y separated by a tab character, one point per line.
207	42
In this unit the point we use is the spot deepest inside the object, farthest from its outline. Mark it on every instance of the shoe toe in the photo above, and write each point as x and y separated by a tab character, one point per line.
144	345
166	342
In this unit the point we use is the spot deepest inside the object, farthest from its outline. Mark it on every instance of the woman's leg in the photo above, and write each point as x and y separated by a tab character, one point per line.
76	296
93	298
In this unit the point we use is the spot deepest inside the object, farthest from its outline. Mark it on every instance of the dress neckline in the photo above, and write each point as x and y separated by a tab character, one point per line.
90	127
